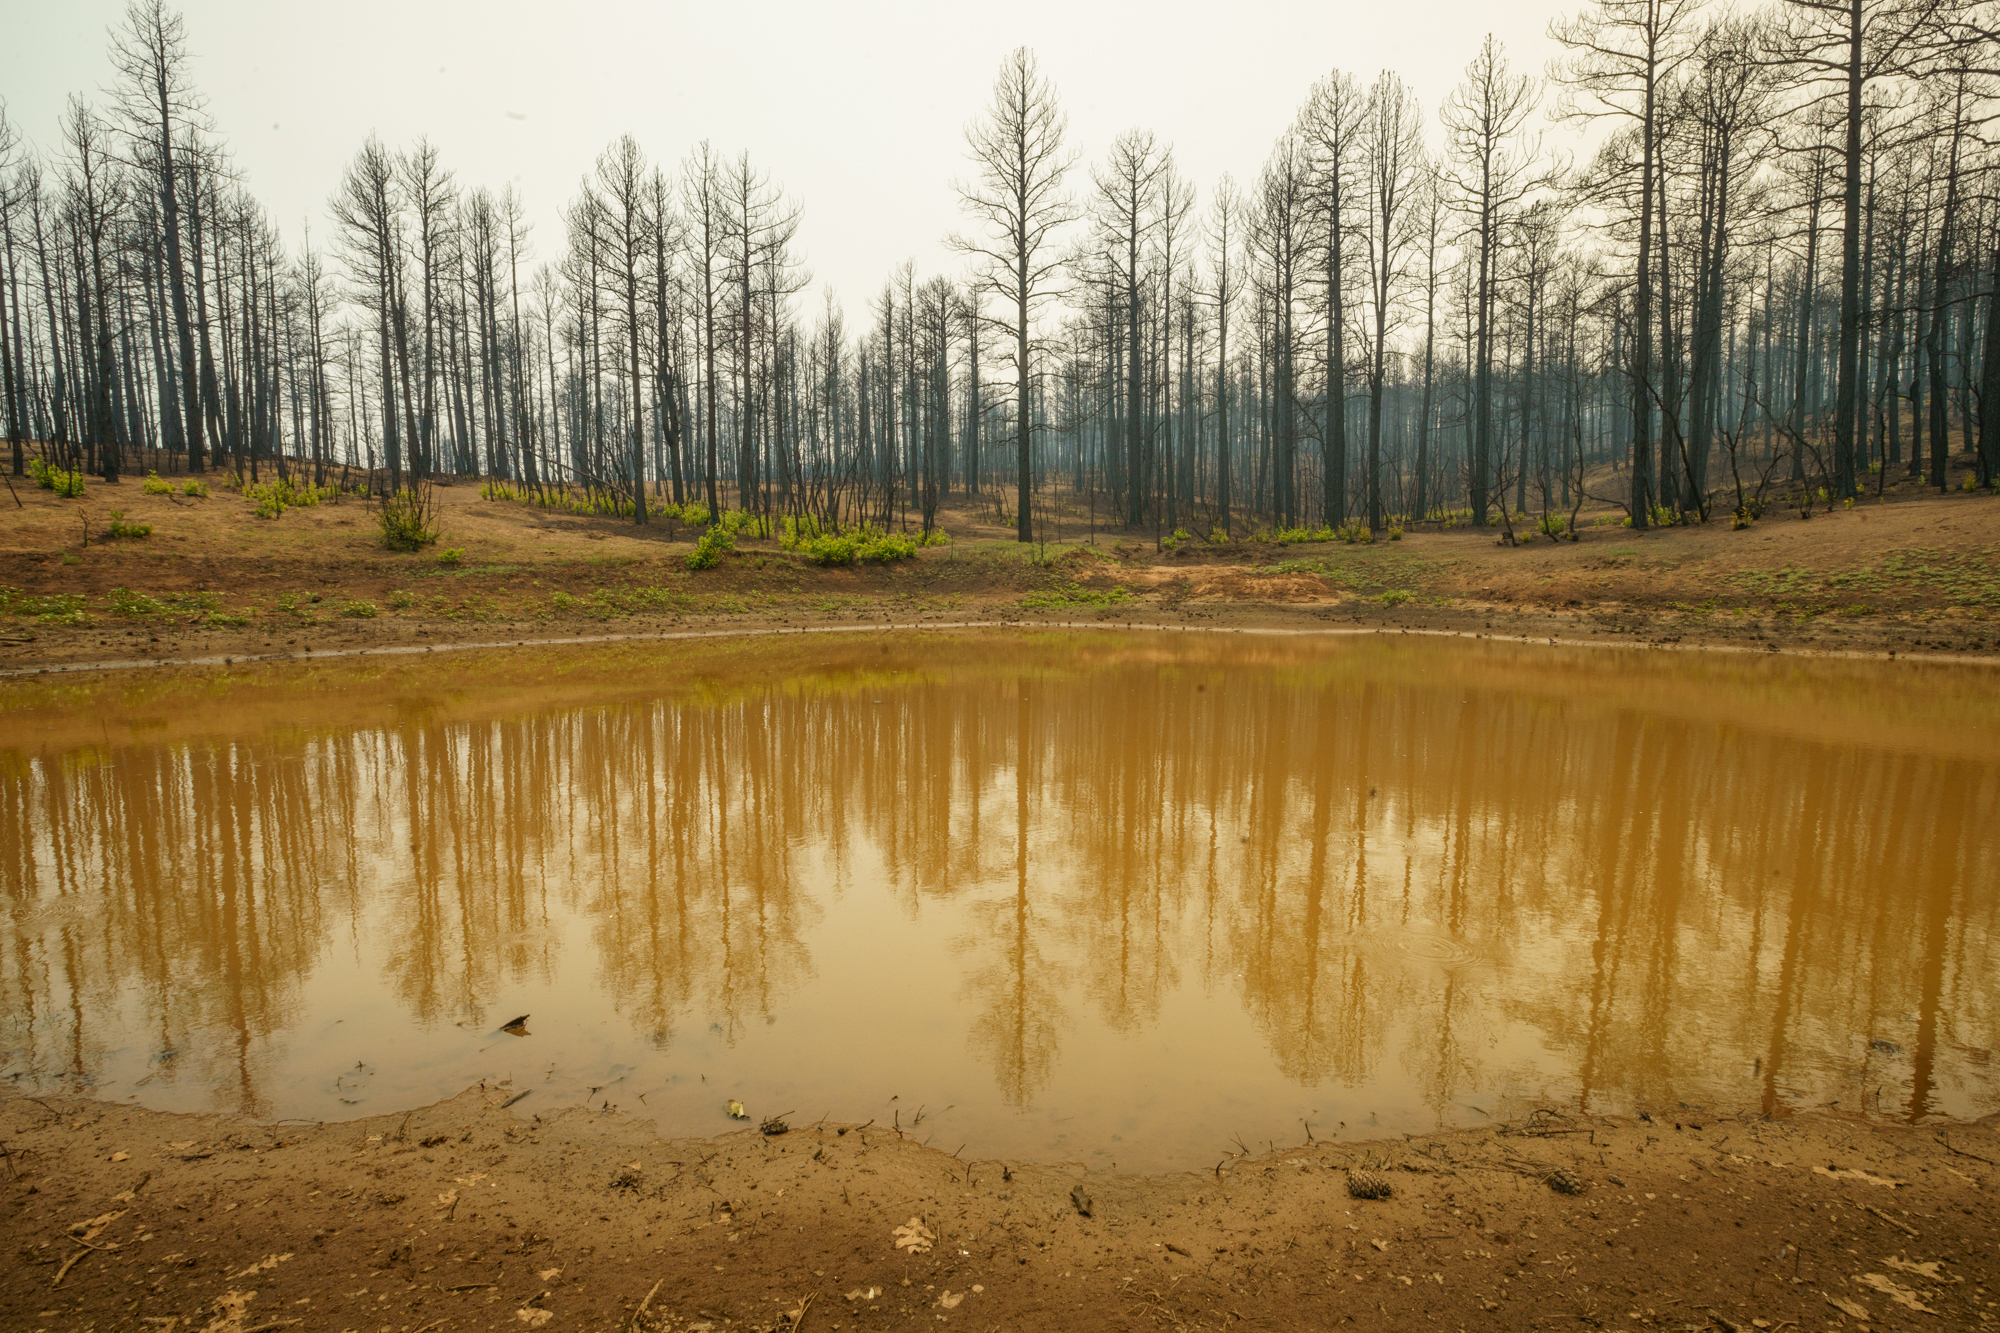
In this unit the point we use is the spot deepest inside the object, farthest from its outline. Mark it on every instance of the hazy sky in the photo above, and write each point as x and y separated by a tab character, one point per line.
857	110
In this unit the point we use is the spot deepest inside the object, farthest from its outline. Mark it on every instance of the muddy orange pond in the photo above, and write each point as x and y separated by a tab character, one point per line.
1132	899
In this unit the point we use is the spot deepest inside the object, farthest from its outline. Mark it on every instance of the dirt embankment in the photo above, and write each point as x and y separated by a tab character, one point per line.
1917	574
473	1214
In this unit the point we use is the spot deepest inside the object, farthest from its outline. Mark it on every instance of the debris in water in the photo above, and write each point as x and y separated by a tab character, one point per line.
1081	1198
736	1111
516	1026
775	1126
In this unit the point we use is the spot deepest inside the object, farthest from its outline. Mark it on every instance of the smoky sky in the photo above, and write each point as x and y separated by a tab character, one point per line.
857	110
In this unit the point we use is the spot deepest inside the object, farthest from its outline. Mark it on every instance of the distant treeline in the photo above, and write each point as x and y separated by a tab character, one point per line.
1774	275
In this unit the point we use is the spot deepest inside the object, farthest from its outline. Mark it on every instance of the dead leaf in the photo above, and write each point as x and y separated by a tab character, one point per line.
1931	1269
736	1111
448	1198
949	1301
864	1293
264	1265
470	1180
1381	1245
230	1307
121	1157
1852	1173
634	1166
181	1147
1902	1296
549	1274
532	1317
914	1236
1852	1309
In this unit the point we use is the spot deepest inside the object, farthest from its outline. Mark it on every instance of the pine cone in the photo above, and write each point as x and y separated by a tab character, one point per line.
1368	1185
1564	1182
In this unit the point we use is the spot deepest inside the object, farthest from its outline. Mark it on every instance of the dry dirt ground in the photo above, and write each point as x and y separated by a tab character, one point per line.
474	1214
1913	573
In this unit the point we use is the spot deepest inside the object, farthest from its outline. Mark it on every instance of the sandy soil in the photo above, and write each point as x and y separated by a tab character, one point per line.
1913	574
478	1214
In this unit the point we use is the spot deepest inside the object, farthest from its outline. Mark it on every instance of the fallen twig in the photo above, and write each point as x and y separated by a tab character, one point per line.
1960	1152
1900	1226
640	1313
68	1264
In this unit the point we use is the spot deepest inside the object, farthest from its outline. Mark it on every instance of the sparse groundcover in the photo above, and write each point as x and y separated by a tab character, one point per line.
1074	595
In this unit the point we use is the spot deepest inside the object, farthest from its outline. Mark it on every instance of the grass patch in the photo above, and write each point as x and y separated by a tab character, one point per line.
1075	595
1967	578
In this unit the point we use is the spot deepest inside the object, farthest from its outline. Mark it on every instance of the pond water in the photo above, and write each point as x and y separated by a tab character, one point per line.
1131	899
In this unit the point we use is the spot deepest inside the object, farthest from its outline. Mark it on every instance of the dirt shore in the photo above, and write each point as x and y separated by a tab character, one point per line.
1912	575
478	1214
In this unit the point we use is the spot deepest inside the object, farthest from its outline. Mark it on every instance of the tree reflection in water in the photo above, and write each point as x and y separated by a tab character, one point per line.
1419	877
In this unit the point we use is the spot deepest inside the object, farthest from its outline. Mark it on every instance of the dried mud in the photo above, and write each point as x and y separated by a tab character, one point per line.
477	1214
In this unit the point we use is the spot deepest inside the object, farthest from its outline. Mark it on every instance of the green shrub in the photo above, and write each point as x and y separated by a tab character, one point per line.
1396	597
66	483
708	549
120	528
451	555
196	488
887	547
830	550
274	497
401	601
358	610
152	485
409	519
135	605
